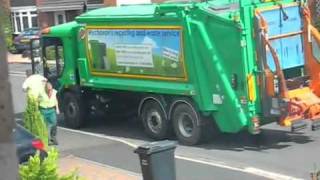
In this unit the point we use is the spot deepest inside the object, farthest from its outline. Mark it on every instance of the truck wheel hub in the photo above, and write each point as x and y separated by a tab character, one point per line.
185	125
154	122
72	109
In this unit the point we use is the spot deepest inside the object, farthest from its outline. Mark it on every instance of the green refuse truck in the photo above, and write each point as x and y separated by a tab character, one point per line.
189	68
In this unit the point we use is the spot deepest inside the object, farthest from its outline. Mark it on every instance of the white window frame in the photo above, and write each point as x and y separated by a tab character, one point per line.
127	2
17	12
56	19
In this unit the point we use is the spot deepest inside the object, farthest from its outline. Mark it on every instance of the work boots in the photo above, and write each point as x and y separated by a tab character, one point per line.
53	136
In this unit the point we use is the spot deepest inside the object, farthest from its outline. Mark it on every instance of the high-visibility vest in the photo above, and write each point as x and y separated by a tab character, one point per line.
48	102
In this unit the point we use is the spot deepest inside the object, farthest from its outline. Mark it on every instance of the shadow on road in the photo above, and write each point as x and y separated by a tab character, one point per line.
122	128
132	129
268	139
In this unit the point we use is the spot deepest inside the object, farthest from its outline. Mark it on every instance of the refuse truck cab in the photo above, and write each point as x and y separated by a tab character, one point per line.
189	66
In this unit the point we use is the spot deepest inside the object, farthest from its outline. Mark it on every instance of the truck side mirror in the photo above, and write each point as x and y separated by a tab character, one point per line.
35	53
35	44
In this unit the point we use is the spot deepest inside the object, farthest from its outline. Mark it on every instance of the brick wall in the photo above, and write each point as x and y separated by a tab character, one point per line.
70	15
157	1
5	5
45	19
110	2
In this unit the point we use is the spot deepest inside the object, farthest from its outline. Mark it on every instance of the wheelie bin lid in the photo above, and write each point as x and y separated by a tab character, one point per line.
155	147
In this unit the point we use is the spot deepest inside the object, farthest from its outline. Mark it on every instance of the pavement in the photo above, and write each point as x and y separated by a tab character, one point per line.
17	58
90	170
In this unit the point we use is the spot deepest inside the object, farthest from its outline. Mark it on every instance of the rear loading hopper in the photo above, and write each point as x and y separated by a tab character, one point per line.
288	46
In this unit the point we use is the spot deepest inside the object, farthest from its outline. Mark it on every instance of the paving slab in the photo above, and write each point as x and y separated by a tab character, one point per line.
90	170
17	58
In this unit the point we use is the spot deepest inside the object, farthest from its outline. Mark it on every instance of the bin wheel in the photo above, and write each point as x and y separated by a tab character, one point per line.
73	112
186	124
154	120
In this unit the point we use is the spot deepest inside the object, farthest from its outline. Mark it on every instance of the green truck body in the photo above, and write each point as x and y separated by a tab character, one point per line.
201	57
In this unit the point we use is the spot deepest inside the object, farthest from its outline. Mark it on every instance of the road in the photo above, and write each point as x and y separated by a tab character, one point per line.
279	154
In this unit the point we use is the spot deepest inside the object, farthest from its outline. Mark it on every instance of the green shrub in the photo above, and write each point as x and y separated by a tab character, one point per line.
34	122
317	24
34	169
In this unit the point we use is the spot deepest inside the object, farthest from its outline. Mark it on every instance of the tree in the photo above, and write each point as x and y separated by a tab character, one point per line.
8	159
33	120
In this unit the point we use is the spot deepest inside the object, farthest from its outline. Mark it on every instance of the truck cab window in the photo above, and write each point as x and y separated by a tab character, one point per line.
53	58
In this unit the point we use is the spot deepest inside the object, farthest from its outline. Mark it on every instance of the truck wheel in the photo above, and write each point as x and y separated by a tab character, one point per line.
154	120
73	114
186	124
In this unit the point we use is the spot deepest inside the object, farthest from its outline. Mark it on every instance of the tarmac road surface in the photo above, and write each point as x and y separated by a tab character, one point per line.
279	154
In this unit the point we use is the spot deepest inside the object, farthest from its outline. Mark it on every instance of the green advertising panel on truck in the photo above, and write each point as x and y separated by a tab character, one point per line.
190	66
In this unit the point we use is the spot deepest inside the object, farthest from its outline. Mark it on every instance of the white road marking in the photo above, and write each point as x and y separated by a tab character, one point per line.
250	170
17	72
268	174
18	75
113	138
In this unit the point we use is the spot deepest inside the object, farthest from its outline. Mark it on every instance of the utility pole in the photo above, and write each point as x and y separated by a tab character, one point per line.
8	158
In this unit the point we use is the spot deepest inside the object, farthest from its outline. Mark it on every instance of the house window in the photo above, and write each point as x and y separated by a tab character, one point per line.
59	17
18	25
34	21
24	18
25	22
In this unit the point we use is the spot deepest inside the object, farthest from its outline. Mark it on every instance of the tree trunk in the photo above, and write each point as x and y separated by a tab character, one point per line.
8	159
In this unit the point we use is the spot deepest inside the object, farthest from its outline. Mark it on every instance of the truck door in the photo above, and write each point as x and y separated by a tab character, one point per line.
53	59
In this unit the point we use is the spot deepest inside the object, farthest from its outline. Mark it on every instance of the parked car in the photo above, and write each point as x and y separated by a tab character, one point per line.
27	144
21	42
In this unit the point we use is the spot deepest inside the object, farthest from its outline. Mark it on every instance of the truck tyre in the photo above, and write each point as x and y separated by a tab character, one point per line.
73	112
186	123
154	120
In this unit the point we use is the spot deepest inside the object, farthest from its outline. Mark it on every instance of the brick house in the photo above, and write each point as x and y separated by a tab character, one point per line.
23	15
53	12
43	13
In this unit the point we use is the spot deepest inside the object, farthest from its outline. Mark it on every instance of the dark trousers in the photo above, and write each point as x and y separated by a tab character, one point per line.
50	117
